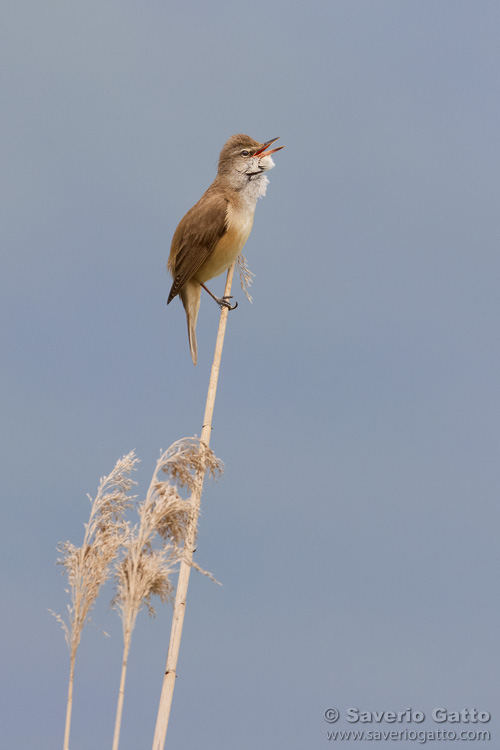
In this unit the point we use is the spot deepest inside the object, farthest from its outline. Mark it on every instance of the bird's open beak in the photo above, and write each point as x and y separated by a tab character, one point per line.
262	150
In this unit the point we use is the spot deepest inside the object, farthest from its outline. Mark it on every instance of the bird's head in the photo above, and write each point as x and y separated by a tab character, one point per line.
243	160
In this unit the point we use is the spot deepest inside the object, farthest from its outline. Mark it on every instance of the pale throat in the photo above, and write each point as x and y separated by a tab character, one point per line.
253	189
252	186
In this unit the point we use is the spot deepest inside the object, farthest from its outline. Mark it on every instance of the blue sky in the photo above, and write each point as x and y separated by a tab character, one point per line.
355	530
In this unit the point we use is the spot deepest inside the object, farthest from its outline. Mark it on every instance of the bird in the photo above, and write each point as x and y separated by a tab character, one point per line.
212	234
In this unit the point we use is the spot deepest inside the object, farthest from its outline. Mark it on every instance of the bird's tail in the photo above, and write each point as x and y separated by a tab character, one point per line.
190	295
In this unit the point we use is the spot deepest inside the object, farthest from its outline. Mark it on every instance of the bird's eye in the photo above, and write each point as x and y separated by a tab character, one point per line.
245	152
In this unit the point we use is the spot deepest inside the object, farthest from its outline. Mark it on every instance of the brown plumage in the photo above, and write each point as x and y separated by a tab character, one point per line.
212	234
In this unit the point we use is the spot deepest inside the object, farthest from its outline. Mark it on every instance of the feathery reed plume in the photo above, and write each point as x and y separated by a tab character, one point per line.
246	275
89	566
143	570
195	484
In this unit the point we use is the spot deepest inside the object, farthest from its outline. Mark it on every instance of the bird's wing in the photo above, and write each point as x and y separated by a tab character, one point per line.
195	238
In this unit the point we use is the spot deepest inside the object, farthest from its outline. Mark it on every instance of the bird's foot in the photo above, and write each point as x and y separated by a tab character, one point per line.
223	302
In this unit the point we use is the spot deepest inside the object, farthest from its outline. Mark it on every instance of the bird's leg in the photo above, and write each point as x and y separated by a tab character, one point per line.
221	301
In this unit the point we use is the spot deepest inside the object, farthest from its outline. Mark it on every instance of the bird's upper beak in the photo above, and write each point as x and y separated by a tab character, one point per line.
262	150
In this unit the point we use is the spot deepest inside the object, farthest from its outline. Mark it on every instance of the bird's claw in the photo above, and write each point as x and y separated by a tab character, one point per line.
223	302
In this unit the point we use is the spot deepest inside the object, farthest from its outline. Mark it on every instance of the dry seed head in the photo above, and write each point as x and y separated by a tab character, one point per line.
246	275
186	459
141	574
89	566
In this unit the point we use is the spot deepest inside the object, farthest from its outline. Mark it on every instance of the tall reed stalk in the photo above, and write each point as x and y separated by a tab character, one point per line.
145	566
141	572
167	690
89	566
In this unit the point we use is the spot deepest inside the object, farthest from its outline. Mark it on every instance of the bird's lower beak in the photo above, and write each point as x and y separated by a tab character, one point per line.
262	150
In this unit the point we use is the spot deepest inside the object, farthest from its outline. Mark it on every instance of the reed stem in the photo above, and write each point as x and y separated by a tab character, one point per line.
167	690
